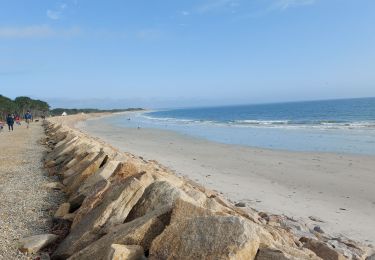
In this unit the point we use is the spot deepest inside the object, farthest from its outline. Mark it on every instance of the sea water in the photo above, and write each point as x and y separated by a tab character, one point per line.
341	126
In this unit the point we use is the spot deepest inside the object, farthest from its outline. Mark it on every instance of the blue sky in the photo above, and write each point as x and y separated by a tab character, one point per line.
161	53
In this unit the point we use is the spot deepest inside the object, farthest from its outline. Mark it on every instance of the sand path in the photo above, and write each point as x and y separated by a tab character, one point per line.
25	206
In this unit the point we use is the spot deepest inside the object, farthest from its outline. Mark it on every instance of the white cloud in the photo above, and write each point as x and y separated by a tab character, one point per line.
285	4
56	13
37	31
185	13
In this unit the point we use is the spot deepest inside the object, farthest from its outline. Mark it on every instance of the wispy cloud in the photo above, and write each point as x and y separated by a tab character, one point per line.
37	31
214	5
285	4
185	13
56	13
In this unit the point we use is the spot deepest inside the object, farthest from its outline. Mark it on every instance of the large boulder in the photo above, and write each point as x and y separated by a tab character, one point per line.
104	173
83	204
78	167
157	195
117	202
67	147
141	231
272	254
125	252
323	250
207	237
87	171
186	209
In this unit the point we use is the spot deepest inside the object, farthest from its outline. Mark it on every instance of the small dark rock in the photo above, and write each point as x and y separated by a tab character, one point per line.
318	229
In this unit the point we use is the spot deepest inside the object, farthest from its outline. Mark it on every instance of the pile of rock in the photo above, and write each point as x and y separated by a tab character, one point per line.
123	207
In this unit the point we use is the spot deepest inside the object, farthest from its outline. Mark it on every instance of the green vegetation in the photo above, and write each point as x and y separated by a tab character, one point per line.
38	108
20	105
59	111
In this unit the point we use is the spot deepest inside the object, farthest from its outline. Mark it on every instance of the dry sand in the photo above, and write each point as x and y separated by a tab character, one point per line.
338	189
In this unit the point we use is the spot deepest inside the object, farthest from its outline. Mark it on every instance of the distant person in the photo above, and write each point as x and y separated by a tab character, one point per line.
10	122
18	120
28	118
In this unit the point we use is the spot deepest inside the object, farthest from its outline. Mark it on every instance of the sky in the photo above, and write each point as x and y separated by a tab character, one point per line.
171	53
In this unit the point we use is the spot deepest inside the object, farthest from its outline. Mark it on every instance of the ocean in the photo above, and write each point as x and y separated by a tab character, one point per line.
341	126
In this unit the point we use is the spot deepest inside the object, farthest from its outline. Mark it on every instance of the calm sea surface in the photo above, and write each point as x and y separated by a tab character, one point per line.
343	126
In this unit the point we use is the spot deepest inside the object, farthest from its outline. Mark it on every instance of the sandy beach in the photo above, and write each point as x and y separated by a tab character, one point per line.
336	188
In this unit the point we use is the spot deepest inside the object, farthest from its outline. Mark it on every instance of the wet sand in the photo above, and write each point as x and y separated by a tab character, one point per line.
338	189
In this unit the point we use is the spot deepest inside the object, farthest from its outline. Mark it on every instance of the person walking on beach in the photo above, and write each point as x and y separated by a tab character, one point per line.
10	122
28	118
18	121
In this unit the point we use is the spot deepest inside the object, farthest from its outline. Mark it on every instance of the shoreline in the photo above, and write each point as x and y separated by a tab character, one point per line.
118	201
277	181
301	139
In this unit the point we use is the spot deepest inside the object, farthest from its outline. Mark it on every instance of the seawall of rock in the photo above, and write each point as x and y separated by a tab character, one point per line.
120	206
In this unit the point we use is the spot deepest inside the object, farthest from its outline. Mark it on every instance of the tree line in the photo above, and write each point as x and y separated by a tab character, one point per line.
72	111
20	105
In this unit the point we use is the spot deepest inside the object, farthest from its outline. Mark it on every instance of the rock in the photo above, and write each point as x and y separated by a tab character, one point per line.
76	201
77	168
33	244
372	257
62	210
276	236
88	171
49	164
141	231
93	199
316	219
125	252
212	237
349	248
117	202
62	159
322	250
59	151
103	173
298	229
54	185
44	256
185	209
157	195
69	216
318	229
127	169
240	204
271	254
